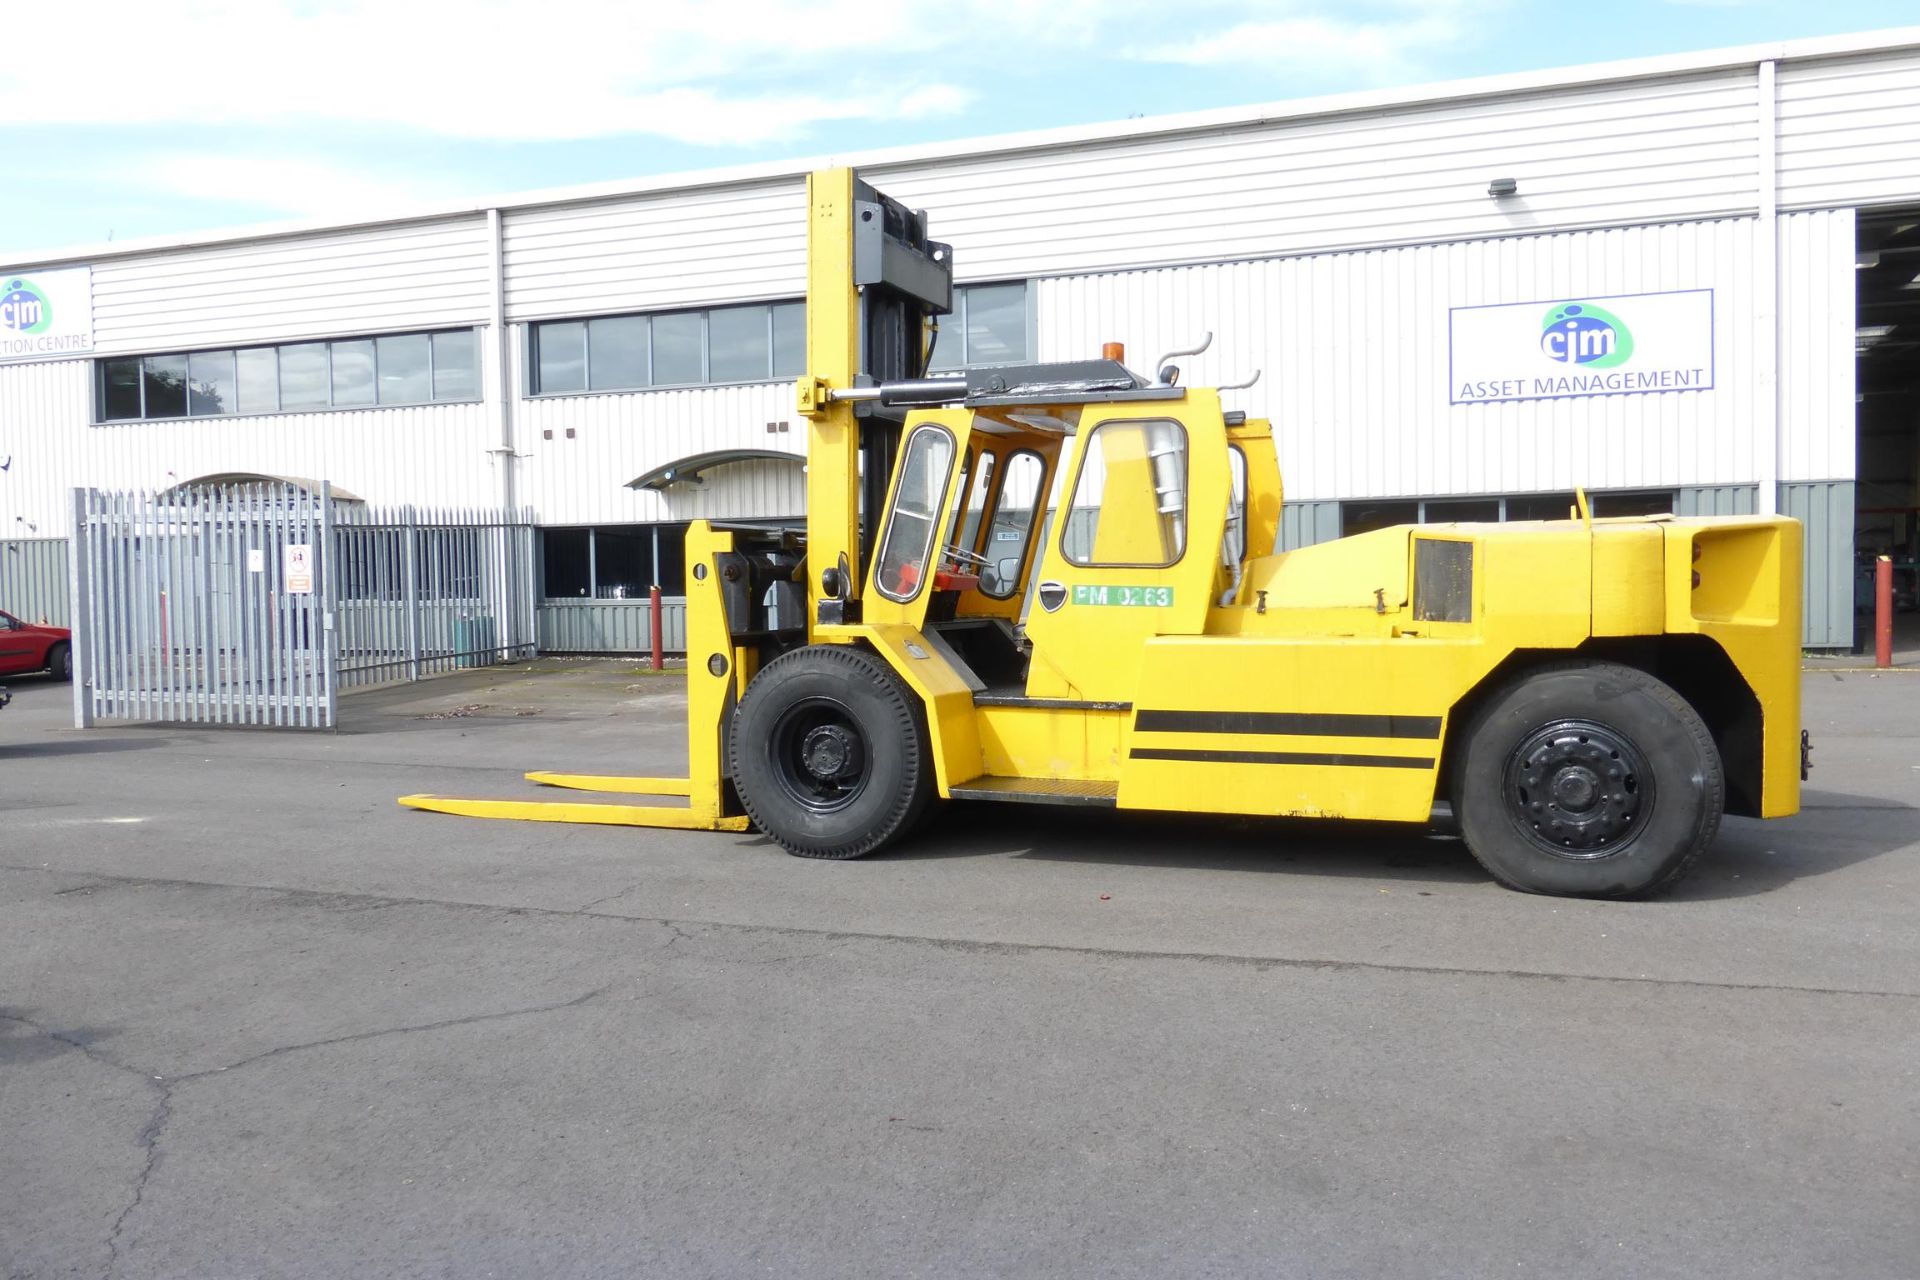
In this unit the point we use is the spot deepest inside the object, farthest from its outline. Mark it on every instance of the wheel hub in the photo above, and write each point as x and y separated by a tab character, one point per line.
1579	789
819	755
830	753
1575	789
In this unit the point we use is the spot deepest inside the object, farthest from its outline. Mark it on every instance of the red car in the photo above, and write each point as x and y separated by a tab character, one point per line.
25	647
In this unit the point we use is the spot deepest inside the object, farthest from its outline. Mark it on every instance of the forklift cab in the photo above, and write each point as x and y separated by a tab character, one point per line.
1043	549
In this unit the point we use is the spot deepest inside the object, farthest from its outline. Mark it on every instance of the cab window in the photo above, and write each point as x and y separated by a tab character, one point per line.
908	540
966	515
1233	544
1015	510
1130	502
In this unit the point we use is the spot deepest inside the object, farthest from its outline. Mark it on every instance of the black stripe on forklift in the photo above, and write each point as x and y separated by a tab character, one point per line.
1295	723
1281	757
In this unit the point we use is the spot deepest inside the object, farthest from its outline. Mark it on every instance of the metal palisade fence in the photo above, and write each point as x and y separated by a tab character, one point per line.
258	604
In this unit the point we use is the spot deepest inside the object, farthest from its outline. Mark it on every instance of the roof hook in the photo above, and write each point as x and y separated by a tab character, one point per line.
1161	370
1239	386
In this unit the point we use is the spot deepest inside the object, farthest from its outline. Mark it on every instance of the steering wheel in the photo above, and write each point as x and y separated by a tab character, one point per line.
960	555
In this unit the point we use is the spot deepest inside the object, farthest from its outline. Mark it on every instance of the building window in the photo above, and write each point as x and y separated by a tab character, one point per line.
988	326
297	377
754	343
613	563
1370	514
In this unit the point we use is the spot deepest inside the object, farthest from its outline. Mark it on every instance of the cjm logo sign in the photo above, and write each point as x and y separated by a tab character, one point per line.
1551	349
24	308
1580	333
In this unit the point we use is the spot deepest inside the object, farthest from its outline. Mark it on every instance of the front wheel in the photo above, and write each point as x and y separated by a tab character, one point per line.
60	662
828	753
1589	779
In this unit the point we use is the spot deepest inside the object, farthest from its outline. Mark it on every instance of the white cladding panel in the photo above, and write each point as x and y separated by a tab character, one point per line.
1817	364
620	437
1353	353
744	491
674	249
1655	150
426	454
45	409
419	276
1849	130
1646	150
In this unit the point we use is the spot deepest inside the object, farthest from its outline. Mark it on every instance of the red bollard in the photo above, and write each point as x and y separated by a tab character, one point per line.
653	621
1883	612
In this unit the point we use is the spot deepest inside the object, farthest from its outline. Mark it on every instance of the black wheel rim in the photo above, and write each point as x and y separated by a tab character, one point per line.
1579	789
819	755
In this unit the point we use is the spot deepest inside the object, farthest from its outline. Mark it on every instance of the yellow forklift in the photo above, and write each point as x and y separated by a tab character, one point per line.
1057	584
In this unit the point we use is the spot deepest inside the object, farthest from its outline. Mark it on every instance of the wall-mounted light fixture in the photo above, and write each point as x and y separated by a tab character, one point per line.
1500	187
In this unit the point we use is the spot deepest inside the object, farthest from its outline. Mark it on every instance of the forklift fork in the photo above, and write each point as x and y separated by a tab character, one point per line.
716	671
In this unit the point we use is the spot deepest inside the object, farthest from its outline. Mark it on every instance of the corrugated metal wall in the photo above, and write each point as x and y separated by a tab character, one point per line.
33	579
44	409
1717	500
1655	150
1650	150
667	250
1826	509
618	438
1849	129
1353	351
426	275
742	491
1304	523
1817	366
611	626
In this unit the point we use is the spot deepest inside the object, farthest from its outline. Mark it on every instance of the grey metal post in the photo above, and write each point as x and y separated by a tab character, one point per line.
530	569
329	598
593	564
410	557
80	593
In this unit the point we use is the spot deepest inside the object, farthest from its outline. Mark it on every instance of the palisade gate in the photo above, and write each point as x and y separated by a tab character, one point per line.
258	603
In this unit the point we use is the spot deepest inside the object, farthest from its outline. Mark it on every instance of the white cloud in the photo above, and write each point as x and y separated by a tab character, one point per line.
741	73
286	185
326	76
1376	43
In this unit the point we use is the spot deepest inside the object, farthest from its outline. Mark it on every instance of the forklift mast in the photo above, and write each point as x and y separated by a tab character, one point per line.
875	285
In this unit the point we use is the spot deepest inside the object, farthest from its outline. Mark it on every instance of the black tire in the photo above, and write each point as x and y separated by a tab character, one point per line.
60	662
829	753
1587	779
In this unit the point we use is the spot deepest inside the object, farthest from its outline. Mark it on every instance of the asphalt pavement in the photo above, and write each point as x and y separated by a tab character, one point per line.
256	1020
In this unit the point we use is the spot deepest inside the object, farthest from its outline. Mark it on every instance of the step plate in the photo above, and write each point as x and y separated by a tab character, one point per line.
1098	794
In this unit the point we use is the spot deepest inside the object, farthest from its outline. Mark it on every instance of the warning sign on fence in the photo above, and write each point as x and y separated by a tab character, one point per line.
296	564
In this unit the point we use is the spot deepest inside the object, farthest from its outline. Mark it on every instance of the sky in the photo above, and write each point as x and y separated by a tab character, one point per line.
128	120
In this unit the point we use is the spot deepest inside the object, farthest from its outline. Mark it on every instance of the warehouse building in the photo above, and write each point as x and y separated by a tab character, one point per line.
1688	283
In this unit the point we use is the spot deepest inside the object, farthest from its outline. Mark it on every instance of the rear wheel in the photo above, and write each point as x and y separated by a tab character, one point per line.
1589	779
60	662
828	753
